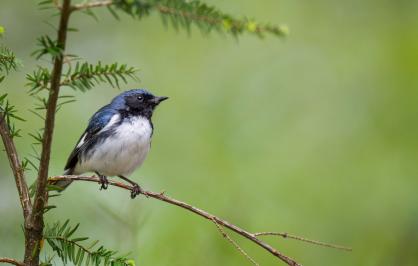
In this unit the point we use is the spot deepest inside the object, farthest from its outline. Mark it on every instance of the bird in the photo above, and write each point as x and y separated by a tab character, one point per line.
116	140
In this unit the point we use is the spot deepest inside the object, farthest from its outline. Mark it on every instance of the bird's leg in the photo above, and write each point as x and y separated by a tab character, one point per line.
136	189
103	181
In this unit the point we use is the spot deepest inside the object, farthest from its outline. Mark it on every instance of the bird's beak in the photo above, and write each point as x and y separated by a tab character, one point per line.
159	99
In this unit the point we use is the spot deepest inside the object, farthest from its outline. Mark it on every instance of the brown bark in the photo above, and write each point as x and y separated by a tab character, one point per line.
16	166
34	227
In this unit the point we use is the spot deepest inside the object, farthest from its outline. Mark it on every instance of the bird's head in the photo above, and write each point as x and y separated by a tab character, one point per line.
138	101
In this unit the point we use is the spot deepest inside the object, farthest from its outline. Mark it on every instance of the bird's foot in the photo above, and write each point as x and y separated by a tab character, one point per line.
136	190
104	182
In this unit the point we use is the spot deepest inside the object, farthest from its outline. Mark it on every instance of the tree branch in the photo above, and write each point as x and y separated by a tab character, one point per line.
202	213
235	244
91	5
225	21
310	241
50	116
11	261
35	228
161	8
17	169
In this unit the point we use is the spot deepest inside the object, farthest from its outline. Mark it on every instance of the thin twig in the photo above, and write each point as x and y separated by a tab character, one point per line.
11	261
91	5
16	166
315	242
202	213
235	244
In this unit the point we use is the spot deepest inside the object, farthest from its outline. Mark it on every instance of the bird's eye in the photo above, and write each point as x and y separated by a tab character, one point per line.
140	98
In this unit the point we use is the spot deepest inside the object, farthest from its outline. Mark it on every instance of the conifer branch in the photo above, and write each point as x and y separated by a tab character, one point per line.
75	250
199	13
183	13
39	80
34	229
8	112
47	46
86	75
50	115
200	212
8	62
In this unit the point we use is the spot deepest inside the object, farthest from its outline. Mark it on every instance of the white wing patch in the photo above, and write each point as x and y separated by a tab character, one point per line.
81	142
115	118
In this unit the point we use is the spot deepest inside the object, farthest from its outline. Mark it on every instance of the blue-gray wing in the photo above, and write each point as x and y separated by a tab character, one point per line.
97	122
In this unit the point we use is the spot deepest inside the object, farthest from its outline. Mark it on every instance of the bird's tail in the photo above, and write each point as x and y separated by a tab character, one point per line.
63	184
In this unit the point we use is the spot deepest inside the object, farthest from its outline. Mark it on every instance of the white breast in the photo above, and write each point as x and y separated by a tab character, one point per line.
122	152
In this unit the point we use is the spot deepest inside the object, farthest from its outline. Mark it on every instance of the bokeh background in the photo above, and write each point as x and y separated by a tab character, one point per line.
315	135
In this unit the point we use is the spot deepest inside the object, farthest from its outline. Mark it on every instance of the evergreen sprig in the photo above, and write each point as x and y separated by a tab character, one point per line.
38	80
74	249
9	113
183	14
85	75
8	62
47	46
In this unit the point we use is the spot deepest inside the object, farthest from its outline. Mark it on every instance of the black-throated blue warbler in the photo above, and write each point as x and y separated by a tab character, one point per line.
117	139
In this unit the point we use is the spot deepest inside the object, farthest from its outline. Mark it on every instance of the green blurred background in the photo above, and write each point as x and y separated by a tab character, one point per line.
315	135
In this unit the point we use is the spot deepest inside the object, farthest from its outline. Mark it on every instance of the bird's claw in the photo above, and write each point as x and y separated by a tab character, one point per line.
136	190
104	183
